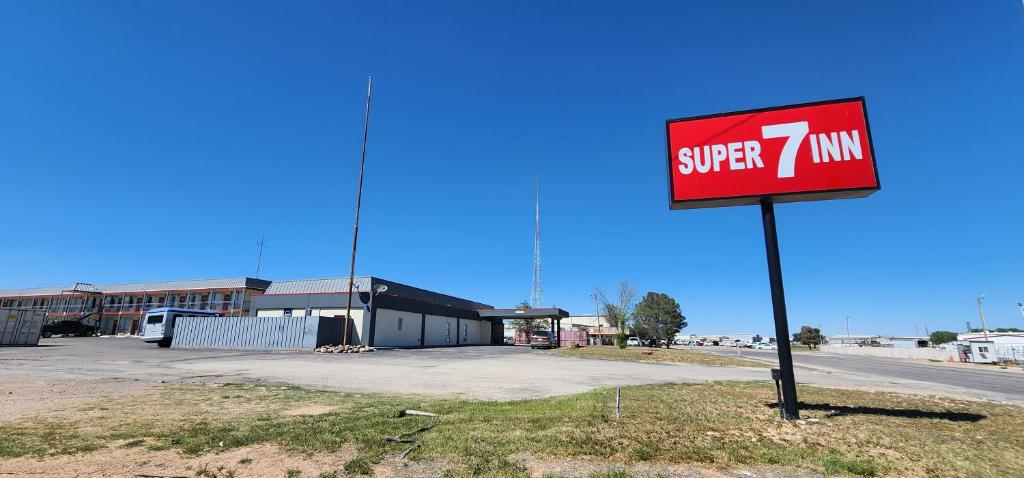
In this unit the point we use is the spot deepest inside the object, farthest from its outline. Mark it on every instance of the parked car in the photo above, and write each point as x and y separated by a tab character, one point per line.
633	342
542	340
68	327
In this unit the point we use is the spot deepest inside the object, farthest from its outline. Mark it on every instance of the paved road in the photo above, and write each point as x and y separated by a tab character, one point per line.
972	377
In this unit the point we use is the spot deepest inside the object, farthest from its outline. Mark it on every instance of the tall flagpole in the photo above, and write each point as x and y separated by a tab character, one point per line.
359	202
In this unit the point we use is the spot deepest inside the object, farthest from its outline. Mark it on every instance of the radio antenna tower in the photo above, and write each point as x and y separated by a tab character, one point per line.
537	296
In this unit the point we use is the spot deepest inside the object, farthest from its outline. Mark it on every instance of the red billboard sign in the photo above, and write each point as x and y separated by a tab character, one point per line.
792	153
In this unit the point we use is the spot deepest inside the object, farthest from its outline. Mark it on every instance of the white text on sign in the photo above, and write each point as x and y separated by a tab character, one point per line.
826	147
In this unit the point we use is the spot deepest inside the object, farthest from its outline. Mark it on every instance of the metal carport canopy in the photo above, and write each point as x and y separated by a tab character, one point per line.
538	313
554	314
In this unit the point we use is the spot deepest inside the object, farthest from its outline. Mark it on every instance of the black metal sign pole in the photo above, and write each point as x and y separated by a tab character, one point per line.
771	247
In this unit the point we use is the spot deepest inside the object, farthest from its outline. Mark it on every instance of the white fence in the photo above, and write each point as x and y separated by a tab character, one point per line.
256	333
1010	353
893	352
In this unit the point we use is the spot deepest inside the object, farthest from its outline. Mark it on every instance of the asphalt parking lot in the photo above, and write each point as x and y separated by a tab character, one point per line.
73	366
986	378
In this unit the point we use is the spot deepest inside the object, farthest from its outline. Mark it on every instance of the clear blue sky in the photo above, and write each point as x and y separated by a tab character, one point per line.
158	140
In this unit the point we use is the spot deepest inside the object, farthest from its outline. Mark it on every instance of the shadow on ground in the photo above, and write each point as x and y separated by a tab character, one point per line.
840	410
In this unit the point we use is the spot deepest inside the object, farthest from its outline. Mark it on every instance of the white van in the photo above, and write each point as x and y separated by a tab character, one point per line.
159	324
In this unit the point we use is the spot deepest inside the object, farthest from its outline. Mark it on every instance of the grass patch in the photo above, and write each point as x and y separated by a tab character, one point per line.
662	355
359	465
718	424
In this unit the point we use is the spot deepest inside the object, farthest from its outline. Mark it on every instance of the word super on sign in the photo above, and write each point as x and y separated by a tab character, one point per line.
791	153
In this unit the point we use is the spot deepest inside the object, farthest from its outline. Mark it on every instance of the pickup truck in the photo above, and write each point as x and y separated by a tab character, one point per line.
68	327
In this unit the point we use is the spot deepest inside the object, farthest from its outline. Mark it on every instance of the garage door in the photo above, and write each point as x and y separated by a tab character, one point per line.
395	328
485	332
440	330
470	333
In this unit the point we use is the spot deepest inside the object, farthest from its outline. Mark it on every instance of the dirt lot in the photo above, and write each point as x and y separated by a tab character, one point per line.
716	429
489	373
77	407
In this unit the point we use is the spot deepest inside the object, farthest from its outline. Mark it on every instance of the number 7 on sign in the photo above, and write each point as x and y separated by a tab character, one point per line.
795	134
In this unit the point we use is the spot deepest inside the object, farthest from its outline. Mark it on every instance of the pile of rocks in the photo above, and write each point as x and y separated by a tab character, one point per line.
344	349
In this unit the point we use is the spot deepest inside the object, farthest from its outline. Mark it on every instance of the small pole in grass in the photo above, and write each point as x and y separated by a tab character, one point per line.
618	402
777	375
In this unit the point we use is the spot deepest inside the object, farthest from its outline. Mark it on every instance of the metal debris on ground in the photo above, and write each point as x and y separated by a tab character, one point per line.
404	438
405	413
344	349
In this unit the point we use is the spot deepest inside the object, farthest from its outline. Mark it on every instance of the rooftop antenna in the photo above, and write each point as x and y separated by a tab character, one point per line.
259	255
537	296
359	203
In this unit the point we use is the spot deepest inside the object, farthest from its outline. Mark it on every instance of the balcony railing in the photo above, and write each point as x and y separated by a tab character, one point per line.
224	306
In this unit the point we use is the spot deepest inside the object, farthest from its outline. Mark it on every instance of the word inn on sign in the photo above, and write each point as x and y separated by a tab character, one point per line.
792	153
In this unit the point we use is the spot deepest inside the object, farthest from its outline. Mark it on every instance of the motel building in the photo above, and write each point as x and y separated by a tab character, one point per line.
118	308
383	313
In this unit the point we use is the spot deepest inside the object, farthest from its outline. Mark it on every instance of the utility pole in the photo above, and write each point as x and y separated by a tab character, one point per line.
847	327
259	255
981	314
359	202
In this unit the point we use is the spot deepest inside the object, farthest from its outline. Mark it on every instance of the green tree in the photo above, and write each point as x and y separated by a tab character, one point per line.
528	326
658	317
618	313
809	336
942	336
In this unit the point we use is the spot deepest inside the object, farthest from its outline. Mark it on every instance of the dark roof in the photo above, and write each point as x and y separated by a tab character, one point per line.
538	313
364	284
